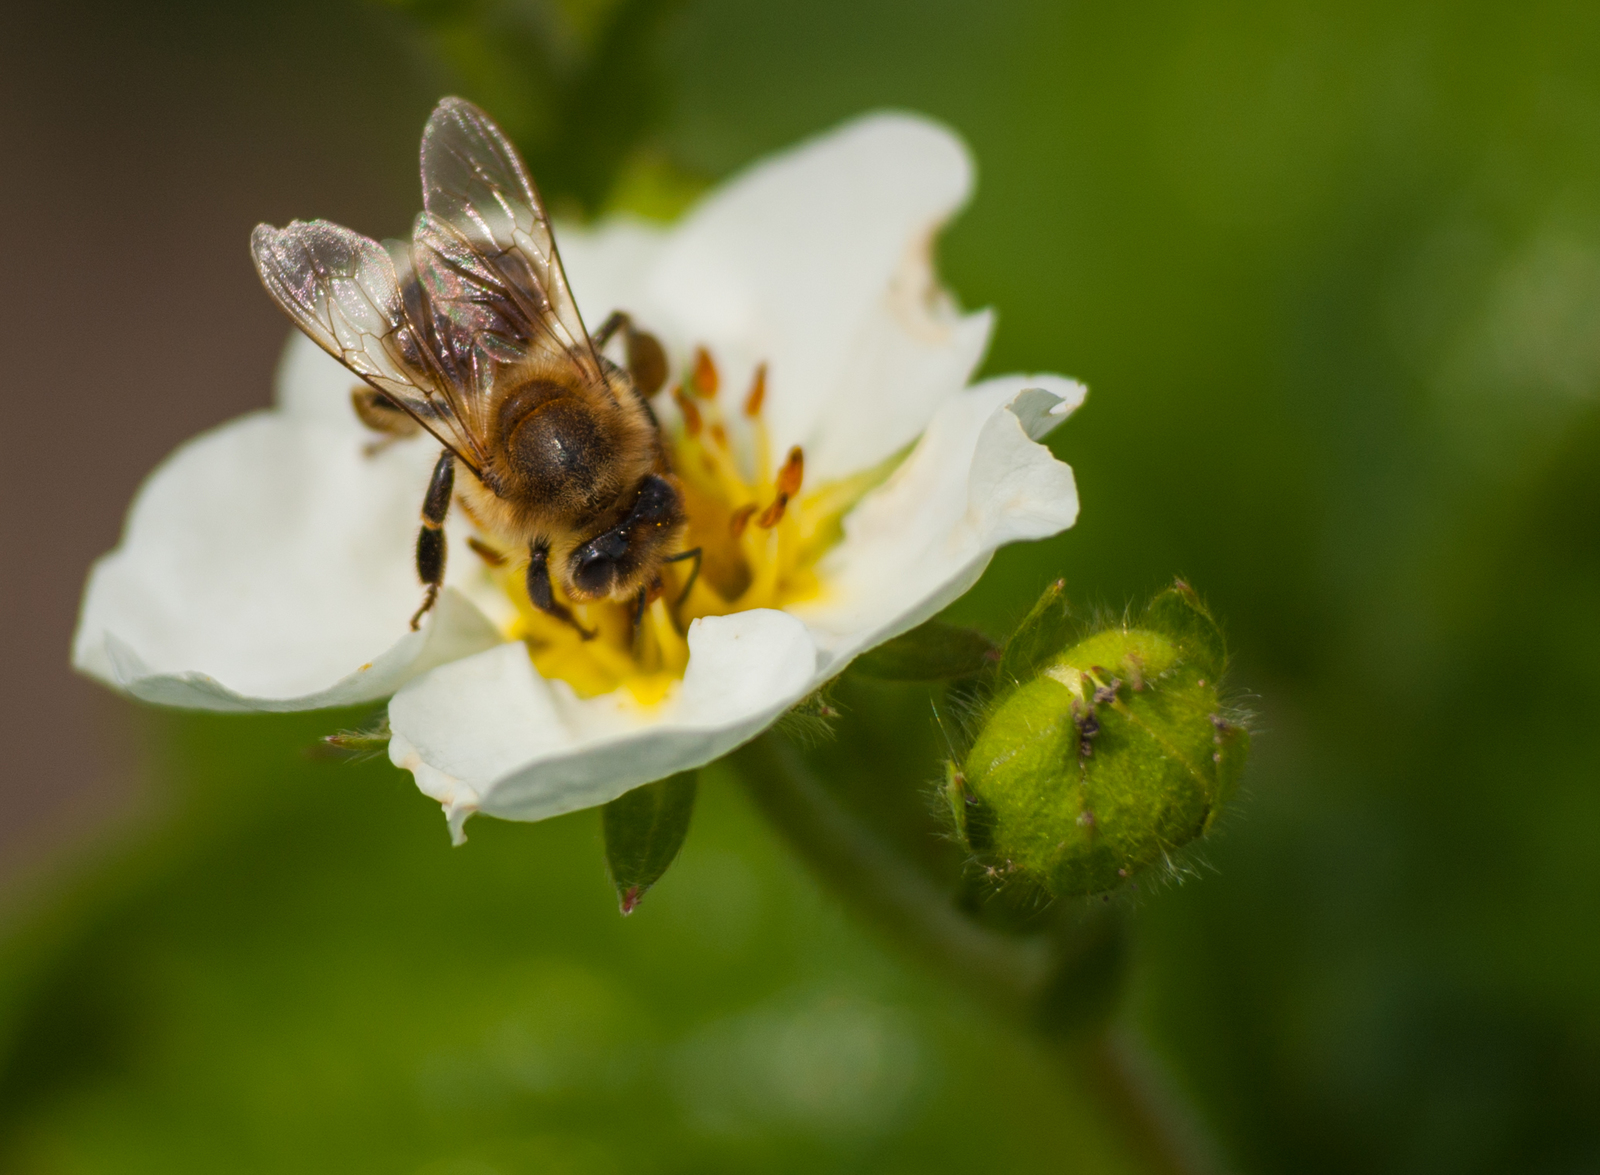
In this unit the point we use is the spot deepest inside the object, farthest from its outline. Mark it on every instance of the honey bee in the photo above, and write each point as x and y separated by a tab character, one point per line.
470	331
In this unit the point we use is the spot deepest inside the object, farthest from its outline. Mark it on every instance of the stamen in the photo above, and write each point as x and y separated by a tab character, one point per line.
727	480
704	381
485	552
758	392
691	414
792	473
773	514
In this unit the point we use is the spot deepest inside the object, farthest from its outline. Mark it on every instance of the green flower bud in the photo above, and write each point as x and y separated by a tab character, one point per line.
1100	756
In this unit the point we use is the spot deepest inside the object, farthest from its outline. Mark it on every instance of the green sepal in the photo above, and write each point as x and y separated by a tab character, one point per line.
810	720
955	795
644	829
1178	614
934	651
1232	742
364	743
1046	628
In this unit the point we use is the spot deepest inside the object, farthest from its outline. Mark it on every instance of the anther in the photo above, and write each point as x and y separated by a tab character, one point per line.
792	473
485	552
691	414
704	381
773	514
741	519
719	434
758	392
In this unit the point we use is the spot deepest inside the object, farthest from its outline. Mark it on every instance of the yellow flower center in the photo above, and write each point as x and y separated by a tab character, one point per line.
759	528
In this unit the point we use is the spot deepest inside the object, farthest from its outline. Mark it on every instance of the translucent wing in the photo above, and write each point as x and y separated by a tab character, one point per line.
347	293
486	223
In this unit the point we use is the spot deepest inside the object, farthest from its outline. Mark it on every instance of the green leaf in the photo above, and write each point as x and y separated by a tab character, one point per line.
644	829
934	651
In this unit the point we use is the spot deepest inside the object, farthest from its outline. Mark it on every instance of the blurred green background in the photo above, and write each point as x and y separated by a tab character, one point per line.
1332	272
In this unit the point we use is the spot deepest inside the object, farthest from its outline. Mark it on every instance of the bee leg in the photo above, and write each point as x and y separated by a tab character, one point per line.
383	416
647	359
541	593
609	327
694	573
430	539
640	603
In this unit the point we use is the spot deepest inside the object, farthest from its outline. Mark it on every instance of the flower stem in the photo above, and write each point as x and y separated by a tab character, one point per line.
891	892
1016	976
1135	1098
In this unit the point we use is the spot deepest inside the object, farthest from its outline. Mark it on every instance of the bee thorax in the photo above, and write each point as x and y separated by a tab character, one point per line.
558	452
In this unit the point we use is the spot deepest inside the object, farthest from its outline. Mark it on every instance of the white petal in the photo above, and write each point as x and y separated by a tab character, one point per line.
267	565
818	262
977	479
312	386
489	734
607	267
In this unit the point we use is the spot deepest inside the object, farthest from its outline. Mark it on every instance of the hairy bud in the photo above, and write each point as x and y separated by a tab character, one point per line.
1099	753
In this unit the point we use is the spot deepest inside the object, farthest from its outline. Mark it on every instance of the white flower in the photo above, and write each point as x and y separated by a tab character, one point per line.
267	565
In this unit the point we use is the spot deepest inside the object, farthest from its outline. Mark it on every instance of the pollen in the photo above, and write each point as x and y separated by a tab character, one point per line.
727	470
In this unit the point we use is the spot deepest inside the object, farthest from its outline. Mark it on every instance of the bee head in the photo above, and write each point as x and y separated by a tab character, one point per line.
618	562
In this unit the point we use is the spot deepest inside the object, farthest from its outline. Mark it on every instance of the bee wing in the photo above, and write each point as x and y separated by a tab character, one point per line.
485	222
343	290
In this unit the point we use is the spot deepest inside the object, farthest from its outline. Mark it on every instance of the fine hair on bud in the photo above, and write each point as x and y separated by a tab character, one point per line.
1096	749
810	721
